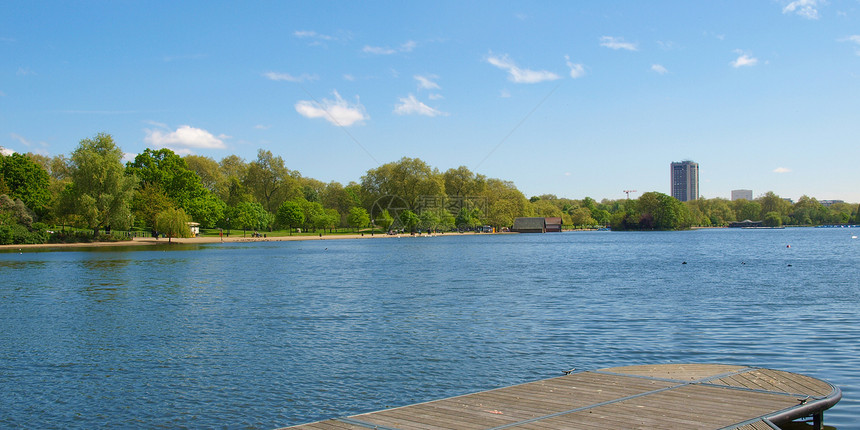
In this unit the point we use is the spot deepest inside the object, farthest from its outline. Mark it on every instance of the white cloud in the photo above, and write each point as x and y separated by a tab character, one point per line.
435	96
378	50
617	43
781	170
275	76
521	76
505	94
2	94
411	106
6	151
853	39
338	112
805	8
184	139
306	34
425	82
744	60
408	46
262	127
659	69
576	70
348	77
24	71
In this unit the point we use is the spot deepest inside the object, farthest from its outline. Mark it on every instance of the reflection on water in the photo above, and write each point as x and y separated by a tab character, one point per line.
272	334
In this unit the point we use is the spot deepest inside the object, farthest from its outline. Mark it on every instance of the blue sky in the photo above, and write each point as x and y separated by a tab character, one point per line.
571	98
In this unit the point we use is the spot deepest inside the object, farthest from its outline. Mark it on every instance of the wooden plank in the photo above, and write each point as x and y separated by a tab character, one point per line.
655	396
681	372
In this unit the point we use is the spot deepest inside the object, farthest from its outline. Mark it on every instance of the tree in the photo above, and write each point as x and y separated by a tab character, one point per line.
168	170
207	209
582	217
771	202
149	201
251	216
357	217
270	182
409	220
461	182
100	191
26	180
207	169
290	214
408	179
772	219
172	223
428	220
384	220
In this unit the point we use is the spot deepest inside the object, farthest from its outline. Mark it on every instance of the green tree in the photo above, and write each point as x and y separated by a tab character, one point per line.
357	217
170	172
290	215
207	169
251	216
771	202
207	209
100	191
428	220
26	180
772	219
461	182
747	210
384	220
270	182
409	220
408	179
148	202
172	223
582	217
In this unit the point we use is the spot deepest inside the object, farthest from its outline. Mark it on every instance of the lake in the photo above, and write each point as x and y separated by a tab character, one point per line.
269	334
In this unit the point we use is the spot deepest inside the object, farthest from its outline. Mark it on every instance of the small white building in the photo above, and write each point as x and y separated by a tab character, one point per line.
195	228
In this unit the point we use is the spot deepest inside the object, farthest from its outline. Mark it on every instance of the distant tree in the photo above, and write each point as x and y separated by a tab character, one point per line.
170	172
270	182
207	210
290	215
407	178
207	169
428	220
148	202
172	223
100	191
772	219
26	180
384	220
582	217
357	217
461	182
747	210
409	220
251	216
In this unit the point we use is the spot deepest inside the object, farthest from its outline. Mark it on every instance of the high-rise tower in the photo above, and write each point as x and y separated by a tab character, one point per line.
685	180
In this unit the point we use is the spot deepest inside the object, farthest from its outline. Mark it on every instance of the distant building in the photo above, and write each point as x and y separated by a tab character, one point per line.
741	194
684	180
529	225
553	224
830	202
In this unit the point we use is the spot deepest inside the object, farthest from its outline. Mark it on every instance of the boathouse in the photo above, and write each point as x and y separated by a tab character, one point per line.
553	224
746	224
529	225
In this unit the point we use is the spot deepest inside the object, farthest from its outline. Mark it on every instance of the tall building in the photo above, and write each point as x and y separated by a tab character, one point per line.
741	194
685	180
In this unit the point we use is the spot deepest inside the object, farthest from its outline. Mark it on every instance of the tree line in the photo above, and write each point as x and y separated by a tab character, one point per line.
159	190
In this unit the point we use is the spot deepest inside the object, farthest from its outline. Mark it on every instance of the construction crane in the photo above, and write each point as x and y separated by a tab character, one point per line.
628	193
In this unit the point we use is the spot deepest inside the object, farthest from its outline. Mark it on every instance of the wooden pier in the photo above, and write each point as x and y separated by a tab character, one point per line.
667	396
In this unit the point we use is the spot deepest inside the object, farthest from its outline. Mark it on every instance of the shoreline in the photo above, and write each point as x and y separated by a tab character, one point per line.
149	241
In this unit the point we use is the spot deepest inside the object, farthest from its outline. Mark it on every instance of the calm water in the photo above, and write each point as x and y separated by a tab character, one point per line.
273	334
